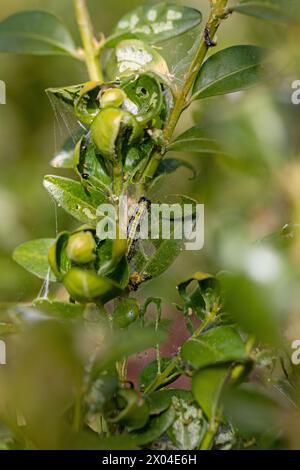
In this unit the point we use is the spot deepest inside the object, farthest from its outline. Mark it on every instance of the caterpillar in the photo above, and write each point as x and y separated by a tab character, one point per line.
134	225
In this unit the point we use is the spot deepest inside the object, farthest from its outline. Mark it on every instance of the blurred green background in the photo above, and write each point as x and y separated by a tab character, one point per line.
243	202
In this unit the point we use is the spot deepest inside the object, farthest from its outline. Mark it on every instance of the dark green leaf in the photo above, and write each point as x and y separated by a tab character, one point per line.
155	23
207	386
273	10
169	165
72	197
35	32
33	256
230	70
157	427
161	400
195	299
195	140
215	346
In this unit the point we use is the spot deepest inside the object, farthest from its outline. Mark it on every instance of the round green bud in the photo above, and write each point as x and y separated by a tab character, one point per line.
112	97
125	313
81	248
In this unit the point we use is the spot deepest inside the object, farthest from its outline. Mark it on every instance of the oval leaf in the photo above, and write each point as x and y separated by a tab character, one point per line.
195	140
207	386
155	23
272	10
33	256
35	32
228	71
216	346
156	428
71	196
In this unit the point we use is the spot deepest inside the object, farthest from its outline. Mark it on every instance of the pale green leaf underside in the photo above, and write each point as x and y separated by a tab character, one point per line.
33	256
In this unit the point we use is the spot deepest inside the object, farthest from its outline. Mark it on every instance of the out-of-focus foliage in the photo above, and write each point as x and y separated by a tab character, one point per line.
242	320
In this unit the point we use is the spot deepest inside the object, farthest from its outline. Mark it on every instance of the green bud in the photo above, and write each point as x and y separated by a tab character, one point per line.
81	248
112	97
107	127
125	313
88	286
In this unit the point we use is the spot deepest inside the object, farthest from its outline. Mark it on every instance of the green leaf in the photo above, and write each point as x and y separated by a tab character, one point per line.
207	386
62	310
150	371
196	299
216	346
156	427
33	256
155	23
230	70
195	140
161	400
65	158
167	250
170	165
72	197
189	425
35	32
132	56
272	10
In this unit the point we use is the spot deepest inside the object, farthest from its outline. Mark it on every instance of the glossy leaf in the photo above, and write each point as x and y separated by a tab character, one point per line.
207	386
272	10
35	32
230	70
155	428
170	165
155	23
195	140
71	196
215	346
33	256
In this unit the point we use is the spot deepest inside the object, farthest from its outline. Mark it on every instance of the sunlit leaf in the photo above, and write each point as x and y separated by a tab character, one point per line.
155	23
71	196
35	32
33	256
230	70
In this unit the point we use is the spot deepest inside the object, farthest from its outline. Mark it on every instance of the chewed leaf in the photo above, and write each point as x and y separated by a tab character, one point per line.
233	69
37	33
155	23
33	256
133	56
272	10
71	196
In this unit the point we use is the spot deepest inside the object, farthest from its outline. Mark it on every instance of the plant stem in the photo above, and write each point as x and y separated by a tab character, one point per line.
217	14
164	377
91	51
